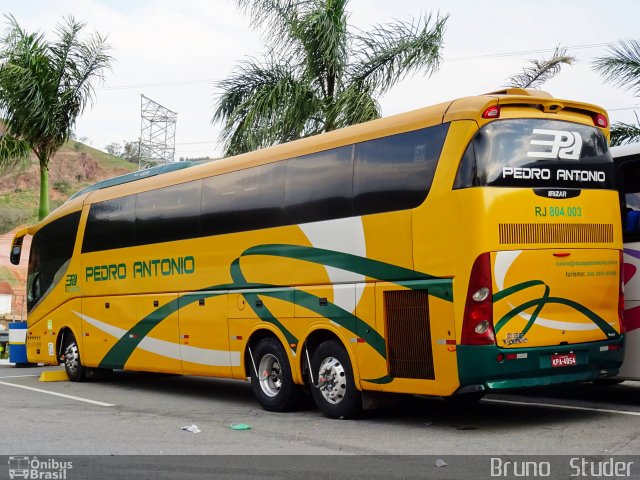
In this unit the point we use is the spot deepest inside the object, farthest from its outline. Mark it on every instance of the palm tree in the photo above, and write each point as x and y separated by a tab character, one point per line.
539	71
44	86
317	74
622	69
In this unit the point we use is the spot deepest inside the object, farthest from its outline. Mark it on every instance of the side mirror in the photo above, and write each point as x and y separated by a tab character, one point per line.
16	246
14	258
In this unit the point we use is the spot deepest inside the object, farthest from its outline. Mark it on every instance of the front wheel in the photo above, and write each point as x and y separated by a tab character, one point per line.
273	387
335	392
72	363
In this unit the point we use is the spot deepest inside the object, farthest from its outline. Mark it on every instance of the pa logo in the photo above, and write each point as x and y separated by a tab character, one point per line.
560	144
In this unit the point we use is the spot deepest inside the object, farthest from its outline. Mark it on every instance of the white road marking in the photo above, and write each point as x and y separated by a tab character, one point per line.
20	376
70	397
565	407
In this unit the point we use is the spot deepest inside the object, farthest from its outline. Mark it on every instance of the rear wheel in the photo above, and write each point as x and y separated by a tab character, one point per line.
274	388
72	362
335	392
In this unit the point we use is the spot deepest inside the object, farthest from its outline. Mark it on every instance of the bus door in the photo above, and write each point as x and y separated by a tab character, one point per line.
204	335
132	332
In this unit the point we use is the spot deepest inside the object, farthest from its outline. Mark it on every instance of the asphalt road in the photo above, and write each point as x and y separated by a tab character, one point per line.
143	413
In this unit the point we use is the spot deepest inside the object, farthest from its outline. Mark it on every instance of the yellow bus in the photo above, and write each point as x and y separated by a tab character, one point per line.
463	248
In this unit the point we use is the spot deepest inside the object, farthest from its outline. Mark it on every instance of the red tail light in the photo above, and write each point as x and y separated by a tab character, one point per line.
492	112
477	326
600	120
621	295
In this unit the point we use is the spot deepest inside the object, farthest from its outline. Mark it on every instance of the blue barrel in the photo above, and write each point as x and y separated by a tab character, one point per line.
18	343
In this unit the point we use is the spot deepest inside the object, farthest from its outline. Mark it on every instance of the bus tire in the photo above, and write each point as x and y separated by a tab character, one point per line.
334	393
274	390
72	362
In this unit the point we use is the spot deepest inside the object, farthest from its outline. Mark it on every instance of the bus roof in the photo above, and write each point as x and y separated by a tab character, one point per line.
131	177
465	108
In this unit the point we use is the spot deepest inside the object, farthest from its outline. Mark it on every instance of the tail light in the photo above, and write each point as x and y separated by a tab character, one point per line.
477	326
621	295
600	120
492	112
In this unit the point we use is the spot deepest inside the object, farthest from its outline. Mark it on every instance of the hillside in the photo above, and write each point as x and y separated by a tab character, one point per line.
74	166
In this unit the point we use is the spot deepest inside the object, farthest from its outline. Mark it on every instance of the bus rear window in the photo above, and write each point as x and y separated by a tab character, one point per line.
536	153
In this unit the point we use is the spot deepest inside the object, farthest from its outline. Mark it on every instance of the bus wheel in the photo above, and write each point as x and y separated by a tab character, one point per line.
274	389
334	392
72	364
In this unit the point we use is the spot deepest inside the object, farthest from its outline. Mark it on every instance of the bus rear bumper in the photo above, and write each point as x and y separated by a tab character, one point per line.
492	368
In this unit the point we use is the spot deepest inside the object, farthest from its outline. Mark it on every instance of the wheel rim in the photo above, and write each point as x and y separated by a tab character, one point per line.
270	375
72	358
332	380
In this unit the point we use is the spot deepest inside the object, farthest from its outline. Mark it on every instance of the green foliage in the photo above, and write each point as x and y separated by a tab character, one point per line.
44	86
64	186
621	68
540	71
317	74
622	133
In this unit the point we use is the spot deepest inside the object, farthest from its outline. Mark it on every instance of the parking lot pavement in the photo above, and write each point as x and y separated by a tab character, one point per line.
143	413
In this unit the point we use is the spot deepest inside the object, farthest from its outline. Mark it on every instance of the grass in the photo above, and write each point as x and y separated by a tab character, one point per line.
7	276
102	157
19	206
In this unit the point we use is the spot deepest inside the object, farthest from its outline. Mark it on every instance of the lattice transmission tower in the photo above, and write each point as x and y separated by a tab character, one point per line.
157	134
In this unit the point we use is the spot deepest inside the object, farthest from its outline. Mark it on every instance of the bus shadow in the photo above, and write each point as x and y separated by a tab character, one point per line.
495	412
619	396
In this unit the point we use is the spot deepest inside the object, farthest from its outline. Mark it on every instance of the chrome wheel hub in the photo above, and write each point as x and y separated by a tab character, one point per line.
72	358
270	375
332	380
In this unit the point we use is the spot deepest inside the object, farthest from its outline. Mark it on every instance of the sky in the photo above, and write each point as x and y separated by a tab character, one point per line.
174	51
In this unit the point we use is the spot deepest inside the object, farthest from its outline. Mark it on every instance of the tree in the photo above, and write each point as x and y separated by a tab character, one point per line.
622	69
131	151
317	74
540	71
114	148
44	86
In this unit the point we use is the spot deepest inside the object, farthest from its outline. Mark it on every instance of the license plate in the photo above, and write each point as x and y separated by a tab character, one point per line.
563	360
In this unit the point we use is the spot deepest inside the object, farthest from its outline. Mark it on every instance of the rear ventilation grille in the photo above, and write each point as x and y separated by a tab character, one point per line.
515	233
409	353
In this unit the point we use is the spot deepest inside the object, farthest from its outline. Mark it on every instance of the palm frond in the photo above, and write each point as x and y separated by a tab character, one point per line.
621	67
355	104
322	38
391	52
540	71
275	17
263	104
13	152
623	133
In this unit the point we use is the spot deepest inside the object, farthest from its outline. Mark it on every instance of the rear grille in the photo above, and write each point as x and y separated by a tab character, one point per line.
514	233
409	352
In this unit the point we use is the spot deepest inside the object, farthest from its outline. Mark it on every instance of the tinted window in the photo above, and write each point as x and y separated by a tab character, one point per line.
537	153
244	200
319	186
167	214
110	225
51	250
395	172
